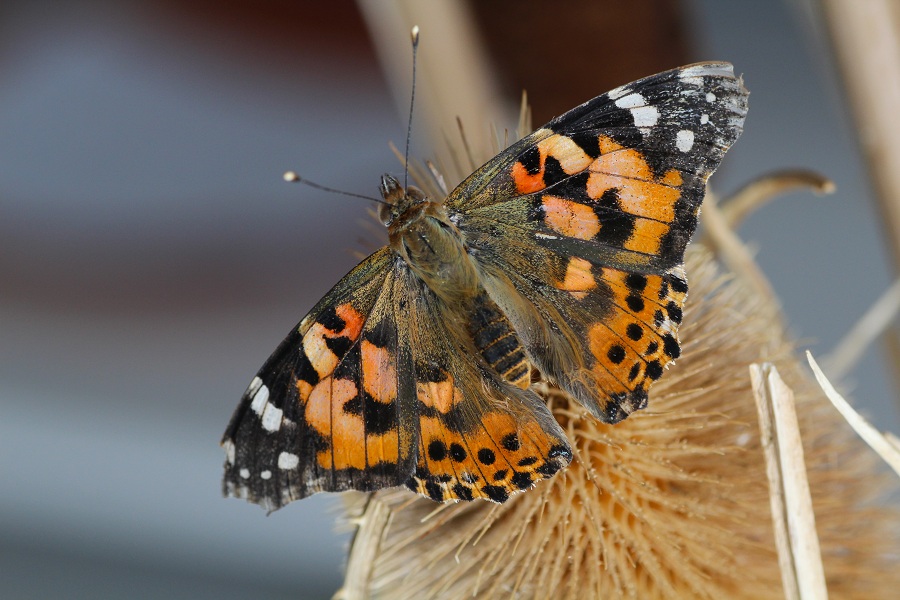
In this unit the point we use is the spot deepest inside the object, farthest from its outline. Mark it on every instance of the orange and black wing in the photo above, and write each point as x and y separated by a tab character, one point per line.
480	435
376	388
326	412
580	229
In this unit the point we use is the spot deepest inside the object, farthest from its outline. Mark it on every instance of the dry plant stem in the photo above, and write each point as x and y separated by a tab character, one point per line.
800	559
376	516
884	445
454	75
763	190
729	247
866	40
773	474
870	326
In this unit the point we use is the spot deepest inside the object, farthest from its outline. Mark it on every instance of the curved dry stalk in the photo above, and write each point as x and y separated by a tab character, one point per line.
727	246
759	192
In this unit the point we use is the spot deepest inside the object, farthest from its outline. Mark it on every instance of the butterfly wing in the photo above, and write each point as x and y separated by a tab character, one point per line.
325	412
480	436
378	387
594	211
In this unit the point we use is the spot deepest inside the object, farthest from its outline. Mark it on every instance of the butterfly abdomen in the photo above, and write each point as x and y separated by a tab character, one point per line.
497	342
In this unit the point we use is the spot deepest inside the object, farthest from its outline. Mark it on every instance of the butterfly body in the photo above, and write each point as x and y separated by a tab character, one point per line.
423	235
563	254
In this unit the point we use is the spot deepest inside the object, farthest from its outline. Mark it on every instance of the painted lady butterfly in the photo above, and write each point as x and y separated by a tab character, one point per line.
563	254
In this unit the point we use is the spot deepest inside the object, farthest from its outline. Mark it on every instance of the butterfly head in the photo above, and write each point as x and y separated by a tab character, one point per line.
399	202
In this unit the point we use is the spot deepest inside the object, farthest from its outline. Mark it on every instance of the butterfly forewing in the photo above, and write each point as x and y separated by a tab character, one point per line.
595	210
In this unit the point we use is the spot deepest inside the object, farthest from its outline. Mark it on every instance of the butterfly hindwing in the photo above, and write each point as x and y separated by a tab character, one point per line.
480	435
595	210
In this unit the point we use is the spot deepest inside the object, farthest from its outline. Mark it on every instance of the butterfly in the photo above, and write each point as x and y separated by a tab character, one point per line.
562	255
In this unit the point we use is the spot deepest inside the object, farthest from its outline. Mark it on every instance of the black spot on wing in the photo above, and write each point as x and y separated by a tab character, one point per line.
531	160
670	346
522	480
462	492
383	334
496	493
589	142
636	281
553	171
510	442
678	284
338	345
486	456
304	369
457	452
330	319
379	417
430	372
437	450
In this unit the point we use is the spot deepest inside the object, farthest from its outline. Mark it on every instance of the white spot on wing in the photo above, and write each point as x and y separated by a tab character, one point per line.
287	461
704	119
266	474
271	418
631	101
710	97
643	115
228	445
260	396
684	140
618	92
245	473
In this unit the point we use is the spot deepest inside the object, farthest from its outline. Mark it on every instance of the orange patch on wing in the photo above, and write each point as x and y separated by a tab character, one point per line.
379	372
639	198
639	192
526	183
578	280
485	459
303	389
348	444
317	351
672	177
627	163
647	236
353	321
570	218
325	403
604	344
441	396
572	159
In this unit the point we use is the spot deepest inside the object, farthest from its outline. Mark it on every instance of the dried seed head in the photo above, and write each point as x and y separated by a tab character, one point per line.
672	502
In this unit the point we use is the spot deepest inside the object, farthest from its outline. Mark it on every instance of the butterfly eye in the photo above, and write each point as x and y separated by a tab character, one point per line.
384	214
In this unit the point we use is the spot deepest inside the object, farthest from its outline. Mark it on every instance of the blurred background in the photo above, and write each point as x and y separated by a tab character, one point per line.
151	257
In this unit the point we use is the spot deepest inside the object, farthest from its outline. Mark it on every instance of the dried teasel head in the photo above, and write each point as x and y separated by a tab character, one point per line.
673	502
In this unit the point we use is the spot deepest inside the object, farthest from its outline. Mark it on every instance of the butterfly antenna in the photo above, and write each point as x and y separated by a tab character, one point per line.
292	177
412	102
